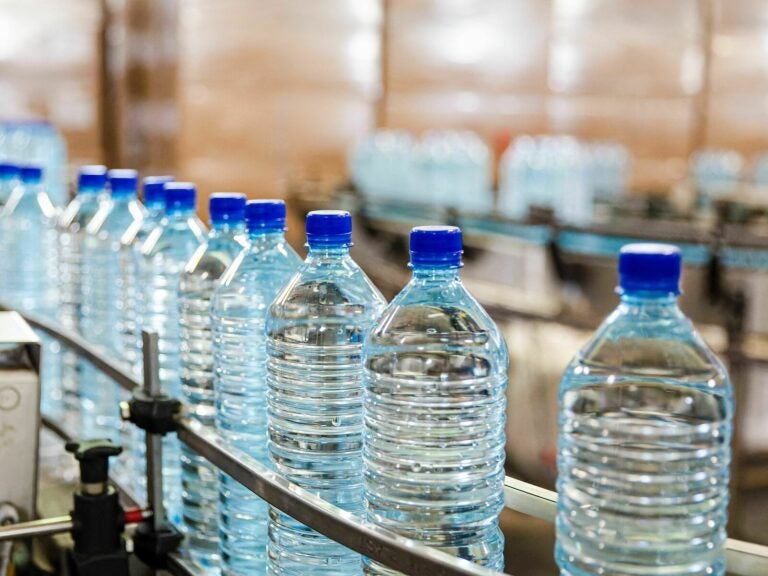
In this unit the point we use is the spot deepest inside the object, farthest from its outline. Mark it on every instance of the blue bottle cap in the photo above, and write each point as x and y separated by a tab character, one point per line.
123	182
329	228
650	267
265	215
8	170
30	174
91	178
154	191
436	246
226	207
179	196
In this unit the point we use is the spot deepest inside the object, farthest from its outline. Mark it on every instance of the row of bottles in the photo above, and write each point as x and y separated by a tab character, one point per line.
392	412
448	169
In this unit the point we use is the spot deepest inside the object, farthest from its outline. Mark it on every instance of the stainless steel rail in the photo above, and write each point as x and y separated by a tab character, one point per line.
396	552
408	556
36	528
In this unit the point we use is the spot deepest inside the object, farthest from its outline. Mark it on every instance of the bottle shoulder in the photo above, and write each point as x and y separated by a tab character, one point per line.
254	265
211	259
436	314
77	214
175	238
331	286
632	345
24	205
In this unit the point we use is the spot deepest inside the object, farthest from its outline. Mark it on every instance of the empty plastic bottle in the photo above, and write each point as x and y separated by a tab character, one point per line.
28	269
164	254
646	413
315	333
239	313
100	280
130	252
435	381
199	487
9	177
72	222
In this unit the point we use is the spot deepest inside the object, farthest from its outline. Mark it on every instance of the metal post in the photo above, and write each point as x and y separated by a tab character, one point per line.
154	442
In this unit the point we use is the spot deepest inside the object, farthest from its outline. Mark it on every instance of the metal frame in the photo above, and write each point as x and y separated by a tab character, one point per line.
408	556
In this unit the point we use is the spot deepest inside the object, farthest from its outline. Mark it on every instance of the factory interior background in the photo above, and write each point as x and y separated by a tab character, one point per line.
284	99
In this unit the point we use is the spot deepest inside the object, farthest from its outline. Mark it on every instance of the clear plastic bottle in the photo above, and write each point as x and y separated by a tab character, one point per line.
315	332
239	313
129	306
29	234
100	280
28	269
129	313
164	254
72	222
198	281
436	371
646	413
9	178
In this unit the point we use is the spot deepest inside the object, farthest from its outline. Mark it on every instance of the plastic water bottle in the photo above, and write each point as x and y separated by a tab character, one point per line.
28	269
39	143
29	243
315	332
9	178
72	222
128	303
434	405
91	187
646	414
100	279
239	313
199	488
164	255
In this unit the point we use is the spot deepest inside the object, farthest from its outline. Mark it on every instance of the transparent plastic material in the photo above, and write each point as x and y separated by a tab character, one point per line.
646	414
164	255
239	312
130	311
199	490
72	224
435	380
100	279
28	273
315	333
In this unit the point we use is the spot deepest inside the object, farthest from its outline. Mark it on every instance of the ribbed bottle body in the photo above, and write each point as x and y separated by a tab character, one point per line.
129	301
71	224
28	276
198	476
644	449
164	255
239	310
100	282
315	332
434	442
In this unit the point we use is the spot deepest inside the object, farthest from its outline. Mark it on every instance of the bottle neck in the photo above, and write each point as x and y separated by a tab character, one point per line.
435	274
122	198
266	237
226	228
155	210
328	251
180	214
89	192
649	301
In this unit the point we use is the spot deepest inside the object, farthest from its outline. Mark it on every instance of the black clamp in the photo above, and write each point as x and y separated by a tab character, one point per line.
152	546
156	415
97	517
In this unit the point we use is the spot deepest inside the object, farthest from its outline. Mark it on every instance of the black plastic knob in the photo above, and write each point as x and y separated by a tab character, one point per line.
93	456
